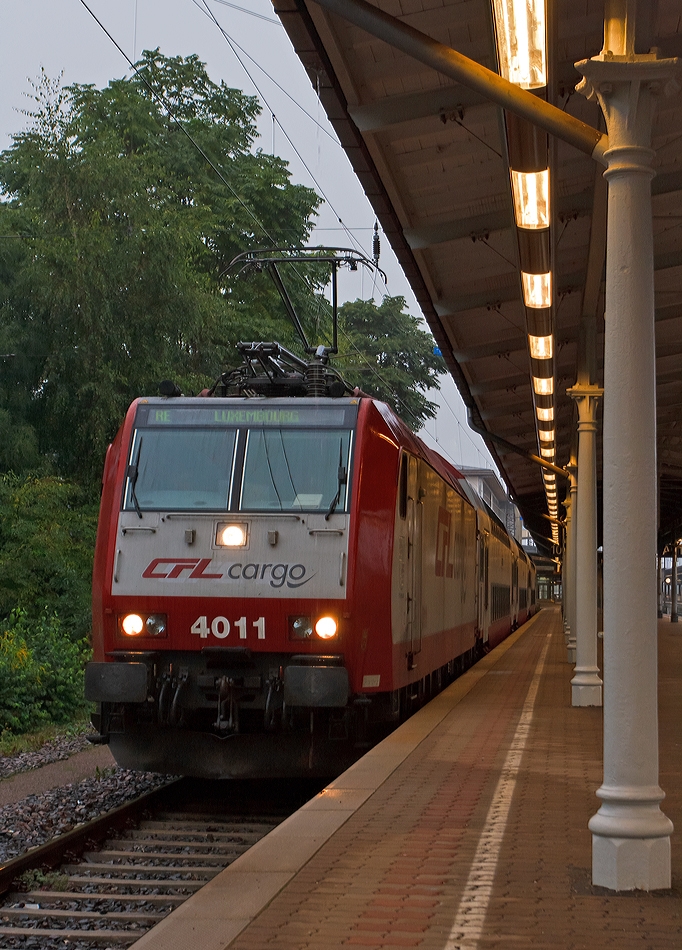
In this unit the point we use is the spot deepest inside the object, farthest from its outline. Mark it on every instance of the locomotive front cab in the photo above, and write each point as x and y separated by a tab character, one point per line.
223	568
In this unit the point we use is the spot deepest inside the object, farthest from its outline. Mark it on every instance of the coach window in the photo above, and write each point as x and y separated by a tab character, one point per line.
180	469
296	470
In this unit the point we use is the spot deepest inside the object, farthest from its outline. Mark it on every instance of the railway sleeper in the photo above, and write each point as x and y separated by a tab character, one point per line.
44	913
125	937
123	885
130	857
227	845
193	839
64	897
166	821
199	873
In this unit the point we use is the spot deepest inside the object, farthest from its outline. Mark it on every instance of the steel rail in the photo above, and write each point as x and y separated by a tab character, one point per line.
53	852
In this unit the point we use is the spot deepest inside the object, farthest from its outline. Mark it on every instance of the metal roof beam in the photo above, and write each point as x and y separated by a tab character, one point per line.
514	344
519	344
580	203
665	379
416	105
669	401
671	312
501	384
512	410
567	284
491	298
487	83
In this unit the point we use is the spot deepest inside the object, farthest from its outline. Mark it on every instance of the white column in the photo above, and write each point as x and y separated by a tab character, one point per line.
566	568
586	685
673	582
573	494
630	833
659	582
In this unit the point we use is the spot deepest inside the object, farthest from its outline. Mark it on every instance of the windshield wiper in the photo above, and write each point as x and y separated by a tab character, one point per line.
132	473
342	478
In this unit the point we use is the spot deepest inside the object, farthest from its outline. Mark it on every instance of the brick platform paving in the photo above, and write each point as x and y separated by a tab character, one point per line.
466	828
395	872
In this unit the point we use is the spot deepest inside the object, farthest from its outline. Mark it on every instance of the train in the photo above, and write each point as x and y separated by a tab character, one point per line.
283	576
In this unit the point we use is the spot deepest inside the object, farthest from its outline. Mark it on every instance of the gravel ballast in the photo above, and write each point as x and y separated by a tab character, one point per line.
54	750
38	818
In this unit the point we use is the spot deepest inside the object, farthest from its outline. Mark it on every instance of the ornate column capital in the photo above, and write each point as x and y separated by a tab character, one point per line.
623	86
587	398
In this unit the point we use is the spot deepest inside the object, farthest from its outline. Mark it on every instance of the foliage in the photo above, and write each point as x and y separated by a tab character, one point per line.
36	878
388	355
47	536
125	230
41	673
116	233
118	228
34	740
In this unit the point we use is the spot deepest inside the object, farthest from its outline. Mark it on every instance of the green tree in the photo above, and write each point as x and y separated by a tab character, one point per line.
125	230
47	538
385	353
41	673
116	230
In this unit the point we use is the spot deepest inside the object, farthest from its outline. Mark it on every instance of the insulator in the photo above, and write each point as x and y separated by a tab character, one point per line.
376	243
314	375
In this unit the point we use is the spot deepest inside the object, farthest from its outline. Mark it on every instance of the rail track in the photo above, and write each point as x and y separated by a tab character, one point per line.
107	882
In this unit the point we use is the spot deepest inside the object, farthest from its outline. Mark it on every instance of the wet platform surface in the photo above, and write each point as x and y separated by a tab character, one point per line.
466	828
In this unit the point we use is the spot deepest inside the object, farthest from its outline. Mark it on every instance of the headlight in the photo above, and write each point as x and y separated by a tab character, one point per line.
326	628
156	625
232	535
144	625
132	625
300	628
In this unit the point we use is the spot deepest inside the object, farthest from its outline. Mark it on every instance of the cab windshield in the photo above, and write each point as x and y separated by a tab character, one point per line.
295	470
231	469
180	469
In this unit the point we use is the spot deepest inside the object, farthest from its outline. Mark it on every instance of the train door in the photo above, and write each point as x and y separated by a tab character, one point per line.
414	560
483	585
514	607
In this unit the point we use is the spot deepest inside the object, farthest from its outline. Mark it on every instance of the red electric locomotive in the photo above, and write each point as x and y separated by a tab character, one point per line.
280	579
273	577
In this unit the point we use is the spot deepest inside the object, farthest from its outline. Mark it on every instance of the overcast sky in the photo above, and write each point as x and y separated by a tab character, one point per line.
64	39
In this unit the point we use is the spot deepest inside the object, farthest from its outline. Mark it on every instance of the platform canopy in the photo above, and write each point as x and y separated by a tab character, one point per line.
434	158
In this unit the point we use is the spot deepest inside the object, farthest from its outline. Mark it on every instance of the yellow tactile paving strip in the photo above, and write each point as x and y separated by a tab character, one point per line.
382	857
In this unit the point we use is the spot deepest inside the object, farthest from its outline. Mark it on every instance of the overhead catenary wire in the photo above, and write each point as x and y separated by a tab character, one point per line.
272	79
169	111
204	7
167	107
259	16
461	427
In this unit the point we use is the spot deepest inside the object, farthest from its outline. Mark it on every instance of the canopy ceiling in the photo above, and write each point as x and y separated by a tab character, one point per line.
432	158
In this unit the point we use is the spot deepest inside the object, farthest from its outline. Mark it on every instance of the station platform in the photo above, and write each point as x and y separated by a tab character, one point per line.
465	828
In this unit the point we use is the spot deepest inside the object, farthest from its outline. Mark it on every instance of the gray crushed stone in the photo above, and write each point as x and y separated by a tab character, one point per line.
54	750
38	818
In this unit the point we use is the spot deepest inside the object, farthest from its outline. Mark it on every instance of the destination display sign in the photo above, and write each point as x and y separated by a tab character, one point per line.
242	416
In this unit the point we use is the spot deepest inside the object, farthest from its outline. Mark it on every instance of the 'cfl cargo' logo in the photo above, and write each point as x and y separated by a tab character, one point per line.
196	568
172	568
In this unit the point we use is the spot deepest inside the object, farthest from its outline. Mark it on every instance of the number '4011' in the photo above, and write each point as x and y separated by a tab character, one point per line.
220	627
